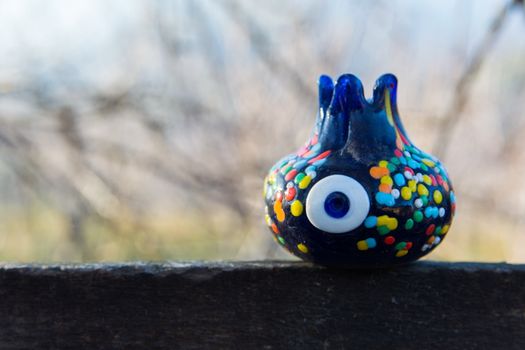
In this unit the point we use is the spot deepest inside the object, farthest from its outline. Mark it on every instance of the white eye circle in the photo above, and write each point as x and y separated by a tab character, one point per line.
337	204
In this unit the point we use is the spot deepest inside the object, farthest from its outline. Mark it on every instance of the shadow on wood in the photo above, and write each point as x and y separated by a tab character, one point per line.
266	305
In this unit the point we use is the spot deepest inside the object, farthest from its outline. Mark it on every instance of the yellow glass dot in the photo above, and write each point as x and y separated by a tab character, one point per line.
296	208
303	248
422	190
412	185
381	220
387	180
362	245
389	222
445	228
438	197
428	162
402	253
271	179
383	163
427	180
305	182
406	193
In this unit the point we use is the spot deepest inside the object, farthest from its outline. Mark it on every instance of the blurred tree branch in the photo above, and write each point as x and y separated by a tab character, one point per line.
462	90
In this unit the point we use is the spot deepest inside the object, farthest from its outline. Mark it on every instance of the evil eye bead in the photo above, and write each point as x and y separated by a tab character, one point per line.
337	204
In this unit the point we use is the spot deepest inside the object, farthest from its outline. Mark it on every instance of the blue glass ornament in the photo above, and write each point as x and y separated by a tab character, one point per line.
359	193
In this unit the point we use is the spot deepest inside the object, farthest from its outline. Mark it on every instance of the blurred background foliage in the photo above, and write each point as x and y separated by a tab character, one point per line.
143	129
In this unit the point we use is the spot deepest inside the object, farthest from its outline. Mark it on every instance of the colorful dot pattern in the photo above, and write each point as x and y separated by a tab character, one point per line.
416	179
411	178
298	170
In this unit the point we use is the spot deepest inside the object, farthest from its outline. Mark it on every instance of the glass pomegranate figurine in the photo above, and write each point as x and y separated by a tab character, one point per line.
359	193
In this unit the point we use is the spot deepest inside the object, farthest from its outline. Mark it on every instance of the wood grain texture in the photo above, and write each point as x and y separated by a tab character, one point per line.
262	305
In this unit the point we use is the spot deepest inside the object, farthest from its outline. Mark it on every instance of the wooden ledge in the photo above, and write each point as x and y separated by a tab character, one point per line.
262	305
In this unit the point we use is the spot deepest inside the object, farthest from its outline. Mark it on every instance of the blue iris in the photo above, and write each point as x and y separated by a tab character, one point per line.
337	205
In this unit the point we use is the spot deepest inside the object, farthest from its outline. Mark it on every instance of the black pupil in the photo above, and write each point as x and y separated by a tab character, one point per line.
337	205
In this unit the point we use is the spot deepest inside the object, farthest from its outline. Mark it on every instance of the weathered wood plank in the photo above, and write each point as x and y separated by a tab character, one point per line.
267	305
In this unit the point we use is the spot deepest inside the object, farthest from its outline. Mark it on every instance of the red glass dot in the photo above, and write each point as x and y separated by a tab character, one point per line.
290	175
389	240
434	182
430	229
290	193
